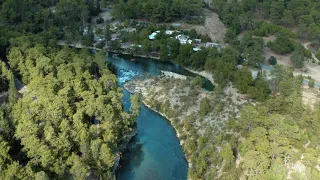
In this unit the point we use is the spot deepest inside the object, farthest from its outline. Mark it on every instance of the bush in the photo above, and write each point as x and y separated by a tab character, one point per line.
282	45
272	60
99	20
266	29
197	81
311	83
318	55
298	58
204	107
100	45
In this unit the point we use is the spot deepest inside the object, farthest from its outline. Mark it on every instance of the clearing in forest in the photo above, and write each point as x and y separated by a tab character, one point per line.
212	27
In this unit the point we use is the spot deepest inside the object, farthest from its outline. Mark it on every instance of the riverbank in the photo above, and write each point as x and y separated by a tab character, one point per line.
132	91
121	149
199	118
156	138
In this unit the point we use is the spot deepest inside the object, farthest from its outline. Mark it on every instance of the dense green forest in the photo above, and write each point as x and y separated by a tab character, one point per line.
69	121
272	139
245	15
270	136
279	132
158	10
44	22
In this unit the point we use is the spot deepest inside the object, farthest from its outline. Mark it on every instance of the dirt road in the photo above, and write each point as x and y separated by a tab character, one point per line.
313	55
212	27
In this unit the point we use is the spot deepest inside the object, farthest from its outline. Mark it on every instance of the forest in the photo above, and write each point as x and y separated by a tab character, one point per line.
62	115
279	130
68	122
158	10
246	15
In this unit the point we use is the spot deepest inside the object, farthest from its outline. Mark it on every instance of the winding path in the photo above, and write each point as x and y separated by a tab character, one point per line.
313	55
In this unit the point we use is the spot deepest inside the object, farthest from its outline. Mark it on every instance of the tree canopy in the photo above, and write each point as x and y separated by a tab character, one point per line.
71	121
157	11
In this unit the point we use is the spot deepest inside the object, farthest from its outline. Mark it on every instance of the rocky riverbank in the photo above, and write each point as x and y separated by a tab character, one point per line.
135	89
121	149
199	118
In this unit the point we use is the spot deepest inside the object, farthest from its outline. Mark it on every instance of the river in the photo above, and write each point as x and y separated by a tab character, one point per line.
155	152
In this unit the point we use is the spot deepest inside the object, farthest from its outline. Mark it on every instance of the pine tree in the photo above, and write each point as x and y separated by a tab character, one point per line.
287	18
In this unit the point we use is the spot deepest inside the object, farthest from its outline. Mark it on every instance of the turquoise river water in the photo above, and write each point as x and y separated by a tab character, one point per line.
154	153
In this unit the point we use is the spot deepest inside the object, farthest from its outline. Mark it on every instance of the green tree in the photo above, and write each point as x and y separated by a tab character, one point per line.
174	46
135	104
204	107
146	47
272	60
210	64
243	79
227	155
288	19
297	59
197	81
282	45
311	83
107	32
164	53
70	105
260	90
198	59
41	176
276	11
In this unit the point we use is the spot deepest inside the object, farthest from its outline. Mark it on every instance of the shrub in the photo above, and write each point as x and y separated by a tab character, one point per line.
311	83
204	107
197	81
318	55
282	45
297	59
100	45
99	20
272	60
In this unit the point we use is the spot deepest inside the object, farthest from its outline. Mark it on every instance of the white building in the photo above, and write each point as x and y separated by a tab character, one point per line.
169	32
153	35
183	39
212	44
196	49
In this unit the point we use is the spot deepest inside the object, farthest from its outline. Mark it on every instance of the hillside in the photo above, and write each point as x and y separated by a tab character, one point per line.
225	136
70	121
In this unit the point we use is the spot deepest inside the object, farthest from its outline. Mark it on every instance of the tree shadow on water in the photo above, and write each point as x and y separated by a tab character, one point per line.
131	157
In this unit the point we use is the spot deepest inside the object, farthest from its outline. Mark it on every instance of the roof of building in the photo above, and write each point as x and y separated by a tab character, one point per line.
196	49
182	37
169	32
176	24
212	43
153	35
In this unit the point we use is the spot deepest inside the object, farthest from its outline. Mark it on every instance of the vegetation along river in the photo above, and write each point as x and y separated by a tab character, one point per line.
154	153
